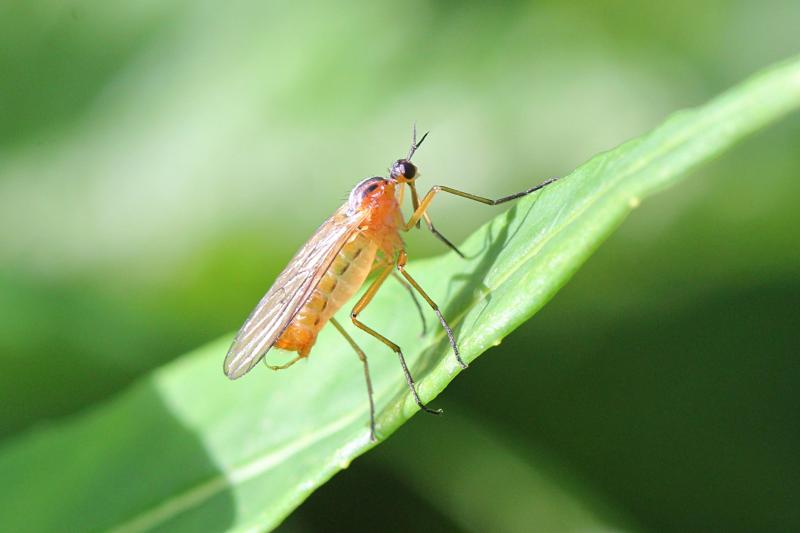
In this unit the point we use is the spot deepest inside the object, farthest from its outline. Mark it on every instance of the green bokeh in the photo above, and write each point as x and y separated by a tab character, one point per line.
160	162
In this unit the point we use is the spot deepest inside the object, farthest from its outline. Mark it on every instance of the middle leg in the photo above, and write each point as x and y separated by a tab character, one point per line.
401	266
360	305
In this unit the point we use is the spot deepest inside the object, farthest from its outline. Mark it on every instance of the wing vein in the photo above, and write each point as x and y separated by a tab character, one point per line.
289	293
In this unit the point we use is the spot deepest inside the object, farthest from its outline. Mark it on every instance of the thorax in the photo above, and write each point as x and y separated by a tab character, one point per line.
382	225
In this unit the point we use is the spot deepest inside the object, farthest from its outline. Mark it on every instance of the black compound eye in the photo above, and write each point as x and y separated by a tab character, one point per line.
405	169
409	170
371	188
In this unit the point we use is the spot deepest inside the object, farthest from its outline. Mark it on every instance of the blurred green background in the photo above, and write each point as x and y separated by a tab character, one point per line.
161	161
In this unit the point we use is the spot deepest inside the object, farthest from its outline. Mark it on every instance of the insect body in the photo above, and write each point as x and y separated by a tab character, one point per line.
346	274
363	236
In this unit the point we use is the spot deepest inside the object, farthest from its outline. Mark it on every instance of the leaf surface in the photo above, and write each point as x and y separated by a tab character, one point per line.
185	448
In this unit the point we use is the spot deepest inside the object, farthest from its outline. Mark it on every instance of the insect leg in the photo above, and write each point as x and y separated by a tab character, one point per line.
426	201
283	366
439	236
428	221
360	305
401	266
363	357
414	198
416	301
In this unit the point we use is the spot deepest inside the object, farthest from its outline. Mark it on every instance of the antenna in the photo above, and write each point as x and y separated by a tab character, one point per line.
414	143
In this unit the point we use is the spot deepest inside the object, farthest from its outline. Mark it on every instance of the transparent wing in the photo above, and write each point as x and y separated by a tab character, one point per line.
290	291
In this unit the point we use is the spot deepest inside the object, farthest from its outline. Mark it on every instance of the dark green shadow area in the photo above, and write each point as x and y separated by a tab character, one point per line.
394	507
106	467
99	340
687	418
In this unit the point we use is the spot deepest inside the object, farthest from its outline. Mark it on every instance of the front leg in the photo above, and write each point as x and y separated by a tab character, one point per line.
426	217
420	211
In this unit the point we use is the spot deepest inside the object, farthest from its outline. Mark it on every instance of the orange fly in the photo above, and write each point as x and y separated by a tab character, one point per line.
361	237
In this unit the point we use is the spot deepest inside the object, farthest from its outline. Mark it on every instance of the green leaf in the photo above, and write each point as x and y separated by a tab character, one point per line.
185	448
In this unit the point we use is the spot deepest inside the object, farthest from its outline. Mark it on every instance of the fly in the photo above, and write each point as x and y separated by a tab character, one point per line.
362	236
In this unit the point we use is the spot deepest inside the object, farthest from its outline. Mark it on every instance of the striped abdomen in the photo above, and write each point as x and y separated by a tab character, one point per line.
342	280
